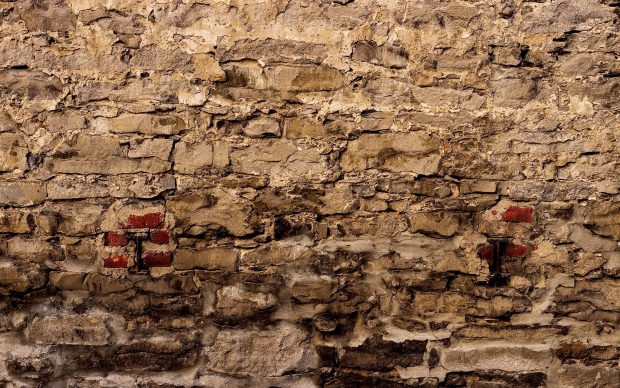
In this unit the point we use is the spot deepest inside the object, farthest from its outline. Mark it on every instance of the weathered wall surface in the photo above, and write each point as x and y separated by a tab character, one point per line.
296	193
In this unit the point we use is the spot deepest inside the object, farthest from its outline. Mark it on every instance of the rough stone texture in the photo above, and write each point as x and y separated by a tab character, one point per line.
295	193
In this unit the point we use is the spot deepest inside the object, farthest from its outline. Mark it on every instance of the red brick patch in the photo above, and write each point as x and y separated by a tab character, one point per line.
518	214
116	261
113	239
517	250
157	259
161	237
486	253
149	220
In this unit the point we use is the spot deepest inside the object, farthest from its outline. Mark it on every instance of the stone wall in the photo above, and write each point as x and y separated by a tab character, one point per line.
309	193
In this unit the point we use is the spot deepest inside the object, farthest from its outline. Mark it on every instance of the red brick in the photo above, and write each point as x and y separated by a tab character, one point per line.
157	259
116	261
486	253
113	239
518	214
161	237
149	220
517	250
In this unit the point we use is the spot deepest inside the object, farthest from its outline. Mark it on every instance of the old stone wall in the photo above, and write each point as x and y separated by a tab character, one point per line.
309	193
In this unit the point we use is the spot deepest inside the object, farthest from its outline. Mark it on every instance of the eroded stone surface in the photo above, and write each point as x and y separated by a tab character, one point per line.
293	193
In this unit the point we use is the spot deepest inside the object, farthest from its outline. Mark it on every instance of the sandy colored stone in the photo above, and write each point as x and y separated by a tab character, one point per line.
239	351
69	330
210	258
192	158
146	123
337	193
404	152
22	193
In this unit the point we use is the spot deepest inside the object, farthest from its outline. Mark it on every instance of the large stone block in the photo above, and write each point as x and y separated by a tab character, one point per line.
148	124
31	84
65	329
20	277
243	352
13	152
196	213
284	162
414	152
209	258
22	193
507	358
235	303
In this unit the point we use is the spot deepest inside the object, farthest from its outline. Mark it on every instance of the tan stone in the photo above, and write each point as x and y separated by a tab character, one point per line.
300	127
196	213
262	127
13	152
496	357
206	67
376	121
97	284
210	258
605	218
32	248
443	223
221	151
67	329
402	152
283	162
119	186
589	241
28	84
15	221
388	56
314	289
20	277
338	200
192	158
478	186
146	148
303	78
112	165
67	280
65	121
7	124
82	218
242	351
148	124
22	193
275	253
233	302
